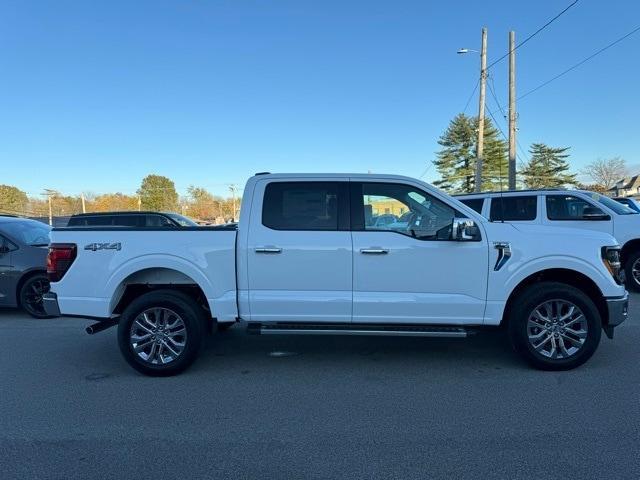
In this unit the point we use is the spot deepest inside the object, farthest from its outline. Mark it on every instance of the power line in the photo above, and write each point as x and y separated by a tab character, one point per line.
533	34
581	62
466	105
495	97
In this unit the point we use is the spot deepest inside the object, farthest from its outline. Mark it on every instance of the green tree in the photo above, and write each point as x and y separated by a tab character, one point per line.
158	193
13	200
456	161
547	168
202	205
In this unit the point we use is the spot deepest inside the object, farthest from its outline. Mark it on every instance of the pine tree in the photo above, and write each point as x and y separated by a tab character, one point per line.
547	168
456	160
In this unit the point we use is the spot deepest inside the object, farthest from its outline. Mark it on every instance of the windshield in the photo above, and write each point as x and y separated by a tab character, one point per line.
182	220
617	207
29	232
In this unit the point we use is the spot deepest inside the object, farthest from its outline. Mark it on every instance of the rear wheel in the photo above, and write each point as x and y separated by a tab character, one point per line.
31	294
160	333
554	326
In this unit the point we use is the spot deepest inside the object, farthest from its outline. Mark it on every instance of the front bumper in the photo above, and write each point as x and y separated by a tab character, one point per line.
50	304
618	309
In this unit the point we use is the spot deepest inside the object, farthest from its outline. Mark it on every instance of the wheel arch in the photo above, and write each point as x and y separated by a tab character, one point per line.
563	275
149	279
630	247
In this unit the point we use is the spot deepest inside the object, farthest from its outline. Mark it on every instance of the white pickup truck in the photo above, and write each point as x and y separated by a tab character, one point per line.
568	209
309	257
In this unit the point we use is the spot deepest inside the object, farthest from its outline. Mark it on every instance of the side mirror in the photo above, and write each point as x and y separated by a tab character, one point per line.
465	230
593	213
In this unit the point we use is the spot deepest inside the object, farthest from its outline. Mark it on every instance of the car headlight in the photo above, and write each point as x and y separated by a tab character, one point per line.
611	259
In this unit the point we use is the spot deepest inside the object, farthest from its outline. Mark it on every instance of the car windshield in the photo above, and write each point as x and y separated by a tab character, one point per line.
182	220
30	232
611	204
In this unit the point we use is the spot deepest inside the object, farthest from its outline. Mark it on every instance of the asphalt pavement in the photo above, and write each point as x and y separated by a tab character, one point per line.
314	408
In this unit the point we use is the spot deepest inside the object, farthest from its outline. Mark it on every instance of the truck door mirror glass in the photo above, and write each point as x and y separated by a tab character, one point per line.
465	230
593	213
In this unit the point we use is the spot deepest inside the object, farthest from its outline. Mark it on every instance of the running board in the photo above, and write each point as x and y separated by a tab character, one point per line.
357	329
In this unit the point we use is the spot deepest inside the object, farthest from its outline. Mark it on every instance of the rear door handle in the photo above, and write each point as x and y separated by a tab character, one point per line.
374	251
268	250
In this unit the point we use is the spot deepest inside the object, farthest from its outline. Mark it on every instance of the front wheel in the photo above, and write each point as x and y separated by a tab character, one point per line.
554	326
160	333
632	271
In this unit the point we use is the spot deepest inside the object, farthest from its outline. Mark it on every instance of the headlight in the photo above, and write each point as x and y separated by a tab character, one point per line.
611	259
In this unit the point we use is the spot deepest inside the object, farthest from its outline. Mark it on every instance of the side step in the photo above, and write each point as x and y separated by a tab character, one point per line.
357	329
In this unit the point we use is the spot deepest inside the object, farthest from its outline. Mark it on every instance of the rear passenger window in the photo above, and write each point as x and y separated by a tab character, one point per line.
514	208
473	203
156	221
301	206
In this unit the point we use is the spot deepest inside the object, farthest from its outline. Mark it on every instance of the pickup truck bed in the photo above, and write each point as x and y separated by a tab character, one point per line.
111	258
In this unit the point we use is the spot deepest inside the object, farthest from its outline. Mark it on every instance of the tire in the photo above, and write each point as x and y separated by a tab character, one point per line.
553	301
30	295
632	282
178	332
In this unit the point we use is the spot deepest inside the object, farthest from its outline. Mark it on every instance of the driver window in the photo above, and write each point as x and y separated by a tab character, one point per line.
406	210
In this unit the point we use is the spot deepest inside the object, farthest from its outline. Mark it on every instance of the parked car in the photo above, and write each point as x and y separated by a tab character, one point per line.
575	209
303	260
131	219
23	264
632	203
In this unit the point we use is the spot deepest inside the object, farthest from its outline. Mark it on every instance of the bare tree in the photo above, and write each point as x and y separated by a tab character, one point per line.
606	171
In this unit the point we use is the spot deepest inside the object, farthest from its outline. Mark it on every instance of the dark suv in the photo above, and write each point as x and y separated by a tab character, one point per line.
131	219
23	264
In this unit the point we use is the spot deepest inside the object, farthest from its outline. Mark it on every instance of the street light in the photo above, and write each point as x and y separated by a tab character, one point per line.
483	81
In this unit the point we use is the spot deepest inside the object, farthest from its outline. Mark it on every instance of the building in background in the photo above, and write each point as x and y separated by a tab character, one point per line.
627	187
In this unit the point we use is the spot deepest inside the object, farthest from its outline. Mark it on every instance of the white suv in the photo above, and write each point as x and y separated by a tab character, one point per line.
570	209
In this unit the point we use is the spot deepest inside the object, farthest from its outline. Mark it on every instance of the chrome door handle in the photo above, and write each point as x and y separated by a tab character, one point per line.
268	250
374	251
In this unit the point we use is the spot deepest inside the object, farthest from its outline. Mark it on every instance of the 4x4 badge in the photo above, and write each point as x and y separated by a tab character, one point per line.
103	246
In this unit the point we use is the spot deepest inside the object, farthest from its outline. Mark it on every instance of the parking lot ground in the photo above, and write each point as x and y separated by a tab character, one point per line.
313	408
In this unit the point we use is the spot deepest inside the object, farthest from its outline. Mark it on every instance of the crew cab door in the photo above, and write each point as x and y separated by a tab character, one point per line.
299	252
411	271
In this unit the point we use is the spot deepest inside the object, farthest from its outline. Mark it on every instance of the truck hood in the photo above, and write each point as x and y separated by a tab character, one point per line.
565	234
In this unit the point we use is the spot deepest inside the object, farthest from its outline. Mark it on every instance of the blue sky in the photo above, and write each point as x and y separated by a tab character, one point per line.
95	95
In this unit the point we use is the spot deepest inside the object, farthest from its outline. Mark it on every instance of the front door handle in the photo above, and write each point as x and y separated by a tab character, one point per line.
268	250
374	251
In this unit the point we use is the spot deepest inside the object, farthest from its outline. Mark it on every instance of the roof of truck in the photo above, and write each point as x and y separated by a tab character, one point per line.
516	192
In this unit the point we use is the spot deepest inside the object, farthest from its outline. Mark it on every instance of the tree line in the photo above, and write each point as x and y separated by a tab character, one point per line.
547	167
156	193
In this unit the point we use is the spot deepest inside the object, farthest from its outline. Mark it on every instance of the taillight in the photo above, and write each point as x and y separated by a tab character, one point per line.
60	258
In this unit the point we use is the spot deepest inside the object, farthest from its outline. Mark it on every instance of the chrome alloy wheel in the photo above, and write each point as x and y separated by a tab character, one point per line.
158	336
635	271
557	329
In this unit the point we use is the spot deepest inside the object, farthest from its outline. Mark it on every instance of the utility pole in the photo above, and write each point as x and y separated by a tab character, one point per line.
233	189
512	110
50	193
483	92
84	209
